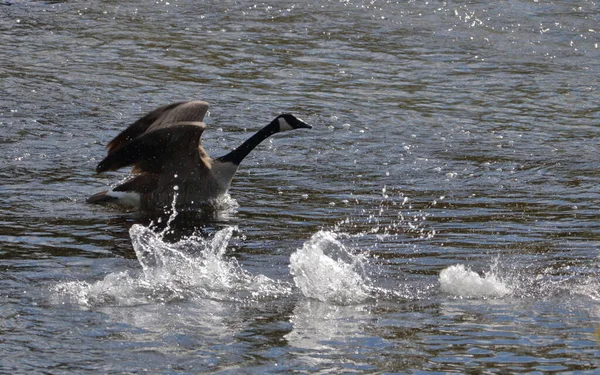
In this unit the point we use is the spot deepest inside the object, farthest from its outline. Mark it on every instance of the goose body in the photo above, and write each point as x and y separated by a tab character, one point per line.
168	159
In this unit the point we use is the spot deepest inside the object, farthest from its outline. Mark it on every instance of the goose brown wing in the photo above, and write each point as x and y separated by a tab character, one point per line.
170	149
162	117
139	127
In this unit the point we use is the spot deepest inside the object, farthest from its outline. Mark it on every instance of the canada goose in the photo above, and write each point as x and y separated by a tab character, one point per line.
167	156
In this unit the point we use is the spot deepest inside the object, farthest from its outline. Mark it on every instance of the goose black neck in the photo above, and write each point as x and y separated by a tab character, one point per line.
236	156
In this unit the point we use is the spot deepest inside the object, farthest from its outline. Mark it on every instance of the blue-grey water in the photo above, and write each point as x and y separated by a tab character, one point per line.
442	216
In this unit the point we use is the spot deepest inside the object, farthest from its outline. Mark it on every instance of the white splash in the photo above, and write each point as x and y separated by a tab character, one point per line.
226	206
324	269
193	268
461	281
222	208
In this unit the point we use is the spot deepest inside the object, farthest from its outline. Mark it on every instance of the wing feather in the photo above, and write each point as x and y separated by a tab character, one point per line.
162	117
173	147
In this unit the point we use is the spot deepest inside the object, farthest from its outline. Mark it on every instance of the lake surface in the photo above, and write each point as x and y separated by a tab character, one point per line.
442	216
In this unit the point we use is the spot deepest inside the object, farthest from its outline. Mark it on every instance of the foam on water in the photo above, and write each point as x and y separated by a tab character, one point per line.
324	269
225	206
461	281
193	268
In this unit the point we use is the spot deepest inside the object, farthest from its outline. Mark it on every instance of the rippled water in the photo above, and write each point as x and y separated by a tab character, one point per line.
441	216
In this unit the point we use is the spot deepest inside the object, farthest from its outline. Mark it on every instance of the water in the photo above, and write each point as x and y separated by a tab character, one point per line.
441	216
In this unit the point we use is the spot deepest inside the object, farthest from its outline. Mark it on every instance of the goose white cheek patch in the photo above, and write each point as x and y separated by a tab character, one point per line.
284	125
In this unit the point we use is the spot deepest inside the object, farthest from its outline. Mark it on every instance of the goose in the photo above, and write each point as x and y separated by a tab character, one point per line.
167	156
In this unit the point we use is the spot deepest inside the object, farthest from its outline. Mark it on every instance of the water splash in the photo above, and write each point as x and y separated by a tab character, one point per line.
221	208
324	269
225	207
193	268
461	281
393	214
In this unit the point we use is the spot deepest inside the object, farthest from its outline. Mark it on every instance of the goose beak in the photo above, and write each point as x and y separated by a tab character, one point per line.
302	125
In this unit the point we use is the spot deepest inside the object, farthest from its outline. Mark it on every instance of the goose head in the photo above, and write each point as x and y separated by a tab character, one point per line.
287	121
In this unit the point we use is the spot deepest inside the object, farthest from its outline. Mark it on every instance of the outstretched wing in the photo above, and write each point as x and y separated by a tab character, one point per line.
162	117
173	148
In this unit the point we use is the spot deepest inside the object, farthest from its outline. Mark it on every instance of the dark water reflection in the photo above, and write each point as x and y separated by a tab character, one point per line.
444	133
